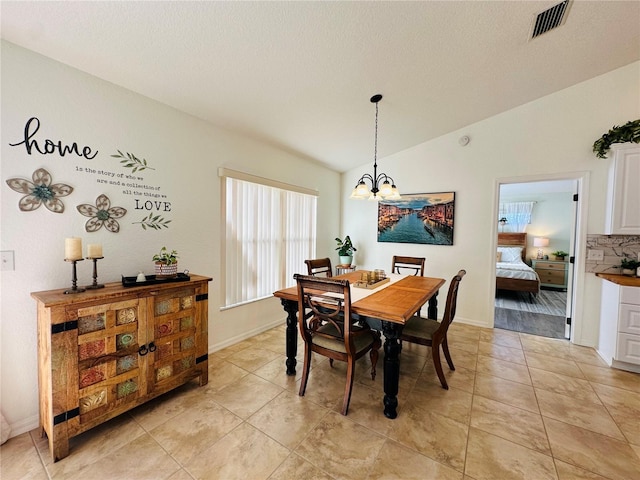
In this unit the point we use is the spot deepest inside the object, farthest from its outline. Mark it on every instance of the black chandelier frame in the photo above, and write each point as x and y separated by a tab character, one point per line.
382	180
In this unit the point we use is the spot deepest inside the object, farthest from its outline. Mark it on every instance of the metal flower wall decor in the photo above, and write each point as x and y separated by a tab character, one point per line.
40	191
102	214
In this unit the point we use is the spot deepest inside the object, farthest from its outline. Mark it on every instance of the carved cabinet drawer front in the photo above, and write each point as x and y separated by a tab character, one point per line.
108	360
175	335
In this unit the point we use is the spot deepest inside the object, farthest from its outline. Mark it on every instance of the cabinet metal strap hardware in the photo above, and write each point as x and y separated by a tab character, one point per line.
63	417
64	327
201	297
202	358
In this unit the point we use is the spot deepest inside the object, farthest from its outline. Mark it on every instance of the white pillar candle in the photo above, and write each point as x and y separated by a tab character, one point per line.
73	248
94	250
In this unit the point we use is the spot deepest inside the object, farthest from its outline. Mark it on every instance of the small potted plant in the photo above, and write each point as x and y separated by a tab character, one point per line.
166	262
560	254
629	266
345	250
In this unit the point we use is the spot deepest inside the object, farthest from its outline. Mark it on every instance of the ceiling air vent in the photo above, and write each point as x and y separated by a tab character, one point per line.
551	18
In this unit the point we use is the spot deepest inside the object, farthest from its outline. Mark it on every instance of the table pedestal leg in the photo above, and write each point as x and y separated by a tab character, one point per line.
391	367
291	307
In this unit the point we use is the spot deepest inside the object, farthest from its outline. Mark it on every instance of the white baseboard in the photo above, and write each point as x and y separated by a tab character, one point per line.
243	336
469	321
24	425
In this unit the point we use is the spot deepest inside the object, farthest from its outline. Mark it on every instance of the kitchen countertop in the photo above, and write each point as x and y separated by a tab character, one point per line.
623	280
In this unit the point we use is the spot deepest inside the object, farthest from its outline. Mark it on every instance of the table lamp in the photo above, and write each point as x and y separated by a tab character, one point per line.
540	242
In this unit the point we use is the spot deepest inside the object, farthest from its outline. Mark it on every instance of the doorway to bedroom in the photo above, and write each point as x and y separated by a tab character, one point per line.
536	225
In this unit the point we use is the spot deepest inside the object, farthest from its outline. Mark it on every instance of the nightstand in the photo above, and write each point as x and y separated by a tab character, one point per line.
551	273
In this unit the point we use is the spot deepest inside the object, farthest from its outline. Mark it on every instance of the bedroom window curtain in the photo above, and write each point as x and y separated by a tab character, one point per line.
518	215
269	232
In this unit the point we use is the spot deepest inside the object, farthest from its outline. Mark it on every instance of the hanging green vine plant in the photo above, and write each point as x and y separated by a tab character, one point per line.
629	132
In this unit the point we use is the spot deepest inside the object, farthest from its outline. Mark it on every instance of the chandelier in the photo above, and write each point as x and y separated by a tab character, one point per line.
379	191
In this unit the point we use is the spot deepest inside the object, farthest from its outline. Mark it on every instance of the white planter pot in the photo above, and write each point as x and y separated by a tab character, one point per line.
346	260
163	270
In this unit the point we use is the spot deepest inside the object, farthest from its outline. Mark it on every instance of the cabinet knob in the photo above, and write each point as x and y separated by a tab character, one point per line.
142	351
152	347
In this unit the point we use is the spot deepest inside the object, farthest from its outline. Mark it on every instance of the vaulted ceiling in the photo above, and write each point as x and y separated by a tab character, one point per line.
299	75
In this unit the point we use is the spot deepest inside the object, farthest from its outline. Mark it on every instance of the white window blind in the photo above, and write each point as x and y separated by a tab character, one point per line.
269	232
518	215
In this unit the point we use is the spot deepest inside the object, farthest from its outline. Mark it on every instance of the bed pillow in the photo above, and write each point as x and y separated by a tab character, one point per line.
498	256
510	254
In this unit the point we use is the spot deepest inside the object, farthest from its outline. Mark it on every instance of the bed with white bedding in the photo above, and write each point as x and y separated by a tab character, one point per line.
511	271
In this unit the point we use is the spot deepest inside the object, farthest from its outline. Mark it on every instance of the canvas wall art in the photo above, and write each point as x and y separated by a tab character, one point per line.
425	218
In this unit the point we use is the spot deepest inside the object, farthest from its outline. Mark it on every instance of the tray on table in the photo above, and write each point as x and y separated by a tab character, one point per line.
154	280
370	286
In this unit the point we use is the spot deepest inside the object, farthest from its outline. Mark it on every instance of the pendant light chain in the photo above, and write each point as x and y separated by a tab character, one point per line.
382	185
375	143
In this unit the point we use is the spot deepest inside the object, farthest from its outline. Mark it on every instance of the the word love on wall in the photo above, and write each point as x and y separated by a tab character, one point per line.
124	179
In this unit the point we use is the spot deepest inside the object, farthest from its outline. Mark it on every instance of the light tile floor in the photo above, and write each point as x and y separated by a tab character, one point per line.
518	406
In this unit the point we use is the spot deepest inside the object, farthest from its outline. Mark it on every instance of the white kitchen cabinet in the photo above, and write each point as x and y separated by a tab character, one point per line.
623	194
619	343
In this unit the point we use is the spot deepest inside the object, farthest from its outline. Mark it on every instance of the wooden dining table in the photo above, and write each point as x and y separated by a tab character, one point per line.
386	308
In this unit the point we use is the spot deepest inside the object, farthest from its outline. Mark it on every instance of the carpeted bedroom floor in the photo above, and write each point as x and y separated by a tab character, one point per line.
544	315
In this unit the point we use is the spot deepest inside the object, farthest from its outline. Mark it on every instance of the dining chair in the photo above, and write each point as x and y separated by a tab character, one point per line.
331	330
400	265
319	266
432	333
413	264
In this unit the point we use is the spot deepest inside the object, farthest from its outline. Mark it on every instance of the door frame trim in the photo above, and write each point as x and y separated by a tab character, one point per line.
580	242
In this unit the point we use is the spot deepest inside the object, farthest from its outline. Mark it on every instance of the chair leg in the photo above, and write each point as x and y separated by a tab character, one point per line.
447	355
331	362
373	355
349	386
305	370
435	353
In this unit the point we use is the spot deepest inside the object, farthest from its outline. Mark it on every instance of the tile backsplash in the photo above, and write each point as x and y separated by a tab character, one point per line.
615	248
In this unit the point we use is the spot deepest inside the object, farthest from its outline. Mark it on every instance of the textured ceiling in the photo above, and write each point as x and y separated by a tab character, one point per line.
299	75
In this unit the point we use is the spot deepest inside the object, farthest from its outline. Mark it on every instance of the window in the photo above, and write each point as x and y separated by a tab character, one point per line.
517	215
270	230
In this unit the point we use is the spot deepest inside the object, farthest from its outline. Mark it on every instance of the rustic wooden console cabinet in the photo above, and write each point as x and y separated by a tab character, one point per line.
102	352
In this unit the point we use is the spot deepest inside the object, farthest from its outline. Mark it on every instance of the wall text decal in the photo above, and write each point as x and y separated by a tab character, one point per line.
50	146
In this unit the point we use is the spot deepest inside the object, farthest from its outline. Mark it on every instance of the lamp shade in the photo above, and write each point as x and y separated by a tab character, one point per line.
540	242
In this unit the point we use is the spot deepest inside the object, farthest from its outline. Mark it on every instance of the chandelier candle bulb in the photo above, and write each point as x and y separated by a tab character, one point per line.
73	248
94	250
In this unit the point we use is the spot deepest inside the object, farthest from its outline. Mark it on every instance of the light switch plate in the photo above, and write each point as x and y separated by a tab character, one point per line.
6	260
595	255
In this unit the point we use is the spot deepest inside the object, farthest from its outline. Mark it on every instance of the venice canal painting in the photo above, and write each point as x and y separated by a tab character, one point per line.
417	218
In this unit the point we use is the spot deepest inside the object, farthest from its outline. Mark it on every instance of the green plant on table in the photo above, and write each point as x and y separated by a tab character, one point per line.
560	253
345	247
166	257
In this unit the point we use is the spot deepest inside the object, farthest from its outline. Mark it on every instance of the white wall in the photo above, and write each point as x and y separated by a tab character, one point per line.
550	136
185	152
